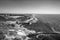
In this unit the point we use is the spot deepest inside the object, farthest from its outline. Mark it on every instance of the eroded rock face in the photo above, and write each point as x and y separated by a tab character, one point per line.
42	31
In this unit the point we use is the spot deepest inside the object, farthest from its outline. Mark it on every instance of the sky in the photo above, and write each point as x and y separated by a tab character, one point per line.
33	6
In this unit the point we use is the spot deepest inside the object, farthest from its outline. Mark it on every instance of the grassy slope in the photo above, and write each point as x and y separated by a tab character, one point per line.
40	26
53	19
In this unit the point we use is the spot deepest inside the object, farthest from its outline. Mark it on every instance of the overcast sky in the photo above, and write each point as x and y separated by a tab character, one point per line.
44	7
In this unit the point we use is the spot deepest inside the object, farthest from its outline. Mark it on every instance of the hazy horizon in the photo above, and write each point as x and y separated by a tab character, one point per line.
40	7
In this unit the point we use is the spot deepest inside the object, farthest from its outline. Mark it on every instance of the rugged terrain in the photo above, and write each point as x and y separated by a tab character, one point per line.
39	26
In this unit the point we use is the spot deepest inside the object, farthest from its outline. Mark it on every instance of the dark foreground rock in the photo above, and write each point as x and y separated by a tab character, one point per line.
2	36
50	36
